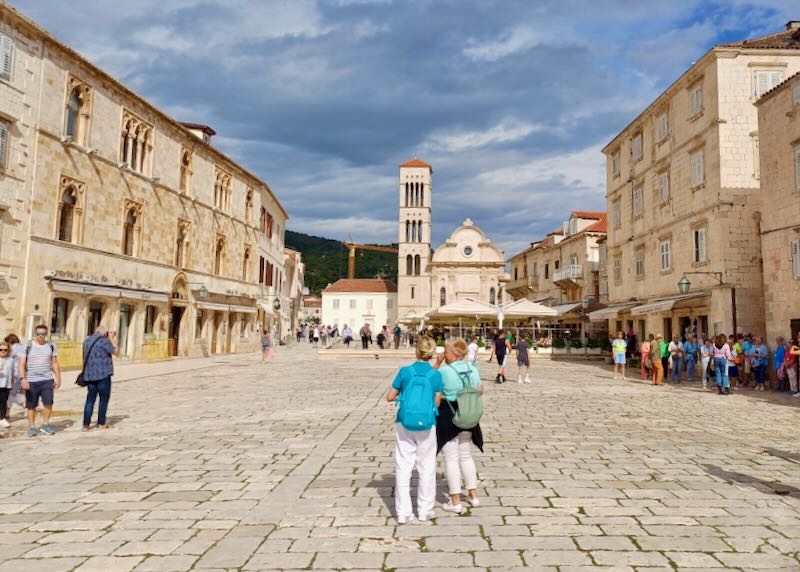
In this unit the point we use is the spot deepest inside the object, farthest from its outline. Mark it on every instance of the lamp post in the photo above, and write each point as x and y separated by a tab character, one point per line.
202	292
584	307
684	285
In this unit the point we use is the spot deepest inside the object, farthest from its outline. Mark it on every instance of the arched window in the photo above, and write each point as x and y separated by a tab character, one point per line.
128	232
66	215
74	104
219	253
442	296
245	263
492	295
58	319
416	194
407	196
409	265
417	264
186	170
422	194
180	245
408	231
419	231
414	231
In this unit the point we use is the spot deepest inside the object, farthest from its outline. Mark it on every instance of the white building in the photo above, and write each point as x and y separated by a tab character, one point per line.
355	302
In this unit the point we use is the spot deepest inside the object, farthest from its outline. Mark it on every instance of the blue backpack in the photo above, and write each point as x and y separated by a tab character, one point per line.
417	407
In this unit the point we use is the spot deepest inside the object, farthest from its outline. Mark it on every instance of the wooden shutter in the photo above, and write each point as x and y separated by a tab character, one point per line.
796	258
6	51
3	145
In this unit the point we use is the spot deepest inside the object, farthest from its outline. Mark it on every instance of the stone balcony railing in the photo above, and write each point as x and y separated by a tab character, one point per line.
571	272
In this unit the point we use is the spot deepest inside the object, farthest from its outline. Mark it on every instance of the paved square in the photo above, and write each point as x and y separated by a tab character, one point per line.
230	465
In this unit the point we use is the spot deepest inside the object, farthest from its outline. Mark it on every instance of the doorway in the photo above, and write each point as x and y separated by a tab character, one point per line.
125	311
667	329
95	316
685	325
794	325
215	333
176	317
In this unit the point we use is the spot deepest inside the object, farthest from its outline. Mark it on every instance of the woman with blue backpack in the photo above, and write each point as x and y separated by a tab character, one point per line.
418	390
458	425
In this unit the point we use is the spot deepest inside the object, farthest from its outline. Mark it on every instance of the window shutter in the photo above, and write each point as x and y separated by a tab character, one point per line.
701	234
775	78
796	167
796	258
6	49
3	145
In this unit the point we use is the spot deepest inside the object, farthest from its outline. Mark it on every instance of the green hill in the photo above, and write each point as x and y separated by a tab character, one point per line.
326	261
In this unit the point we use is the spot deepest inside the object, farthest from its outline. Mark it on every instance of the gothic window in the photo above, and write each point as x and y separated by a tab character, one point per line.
419	231
136	143
414	231
245	263
407	196
180	244
129	232
66	215
219	255
409	265
442	296
416	195
248	206
417	264
422	194
222	190
186	170
492	295
76	125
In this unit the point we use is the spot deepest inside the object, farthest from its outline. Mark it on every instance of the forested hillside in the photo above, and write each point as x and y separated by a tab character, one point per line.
326	261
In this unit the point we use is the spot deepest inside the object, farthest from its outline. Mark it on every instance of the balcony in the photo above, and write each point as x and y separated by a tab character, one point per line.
521	287
572	272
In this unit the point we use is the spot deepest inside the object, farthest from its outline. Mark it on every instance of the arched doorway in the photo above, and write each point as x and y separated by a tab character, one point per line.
178	318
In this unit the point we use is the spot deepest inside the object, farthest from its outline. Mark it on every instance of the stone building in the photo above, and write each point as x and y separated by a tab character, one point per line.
682	187
466	266
779	147
562	269
311	308
357	301
114	213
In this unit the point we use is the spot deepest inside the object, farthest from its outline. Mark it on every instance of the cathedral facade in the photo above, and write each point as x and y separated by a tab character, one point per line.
466	266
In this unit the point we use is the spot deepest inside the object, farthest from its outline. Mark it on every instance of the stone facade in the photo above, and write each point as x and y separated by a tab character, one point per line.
414	238
779	146
683	197
114	213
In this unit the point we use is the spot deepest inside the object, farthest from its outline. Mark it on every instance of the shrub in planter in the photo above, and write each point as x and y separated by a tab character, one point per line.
605	344
592	343
576	343
559	343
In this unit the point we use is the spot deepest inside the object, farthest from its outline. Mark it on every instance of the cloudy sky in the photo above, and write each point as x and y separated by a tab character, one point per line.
510	100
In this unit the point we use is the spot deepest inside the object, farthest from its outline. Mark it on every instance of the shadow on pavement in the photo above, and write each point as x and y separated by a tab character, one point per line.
795	457
754	482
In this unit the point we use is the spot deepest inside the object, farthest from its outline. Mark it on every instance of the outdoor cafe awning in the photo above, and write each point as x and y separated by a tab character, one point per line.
563	309
664	305
523	309
465	309
610	312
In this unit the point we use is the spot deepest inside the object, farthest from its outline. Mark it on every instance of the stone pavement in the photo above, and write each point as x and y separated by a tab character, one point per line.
231	465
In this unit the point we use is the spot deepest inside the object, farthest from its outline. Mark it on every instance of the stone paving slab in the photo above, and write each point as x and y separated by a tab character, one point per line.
226	464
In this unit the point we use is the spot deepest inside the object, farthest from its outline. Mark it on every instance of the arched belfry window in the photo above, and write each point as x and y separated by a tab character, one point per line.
442	296
417	264
419	232
408	231
409	265
416	194
66	217
492	296
422	194
414	231
407	196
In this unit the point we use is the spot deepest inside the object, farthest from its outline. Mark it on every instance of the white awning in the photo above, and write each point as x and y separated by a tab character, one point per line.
267	307
609	312
527	309
213	306
244	309
108	291
566	308
664	305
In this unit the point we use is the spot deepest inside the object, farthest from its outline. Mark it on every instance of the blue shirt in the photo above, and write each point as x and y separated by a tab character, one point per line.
691	350
99	364
763	354
780	355
405	374
747	347
451	380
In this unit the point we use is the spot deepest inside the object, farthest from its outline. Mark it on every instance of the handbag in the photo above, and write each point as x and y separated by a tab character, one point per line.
79	381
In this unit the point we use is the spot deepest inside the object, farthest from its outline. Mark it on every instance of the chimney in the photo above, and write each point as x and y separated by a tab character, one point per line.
202	132
793	25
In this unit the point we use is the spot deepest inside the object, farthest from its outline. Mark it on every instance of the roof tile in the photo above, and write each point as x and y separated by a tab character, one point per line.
362	285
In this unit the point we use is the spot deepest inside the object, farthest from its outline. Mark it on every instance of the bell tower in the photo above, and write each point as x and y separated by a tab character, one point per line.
413	276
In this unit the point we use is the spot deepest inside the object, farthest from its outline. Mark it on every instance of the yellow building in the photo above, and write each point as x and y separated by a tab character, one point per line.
779	146
114	213
682	182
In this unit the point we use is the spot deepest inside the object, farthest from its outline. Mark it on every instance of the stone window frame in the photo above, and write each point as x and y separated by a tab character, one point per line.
616	213
186	162
694	184
662	242
82	123
5	144
6	57
662	126
661	196
637	191
702	228
637	136
772	73
795	252
639	262
616	268
696	107
79	188
616	163
136	143
181	254
218	255
223	182
135	228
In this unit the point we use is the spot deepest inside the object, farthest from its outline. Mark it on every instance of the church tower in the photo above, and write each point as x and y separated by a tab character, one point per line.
413	274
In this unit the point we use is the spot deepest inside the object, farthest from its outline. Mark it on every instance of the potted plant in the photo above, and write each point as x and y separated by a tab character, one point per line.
559	346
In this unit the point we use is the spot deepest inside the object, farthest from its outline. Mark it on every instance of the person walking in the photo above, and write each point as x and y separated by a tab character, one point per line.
676	355
691	349
397	335
456	443
266	347
472	353
656	361
6	382
499	352
644	351
760	362
382	337
315	336
706	355
523	361
618	349
418	389
98	367
750	360
722	357
664	346
791	365
778	357
40	375
16	395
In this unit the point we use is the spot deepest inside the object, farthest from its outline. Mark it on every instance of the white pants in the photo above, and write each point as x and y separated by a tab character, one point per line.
414	448
704	374
458	463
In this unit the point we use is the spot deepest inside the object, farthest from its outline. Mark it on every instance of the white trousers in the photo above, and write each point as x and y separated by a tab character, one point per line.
458	463
414	449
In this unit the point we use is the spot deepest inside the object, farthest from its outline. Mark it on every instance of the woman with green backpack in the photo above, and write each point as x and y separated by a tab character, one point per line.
458	423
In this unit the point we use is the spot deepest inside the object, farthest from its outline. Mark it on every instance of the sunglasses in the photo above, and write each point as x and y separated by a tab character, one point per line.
41	334
4	349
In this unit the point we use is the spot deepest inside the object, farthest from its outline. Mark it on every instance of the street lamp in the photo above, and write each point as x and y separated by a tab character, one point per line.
202	292
683	285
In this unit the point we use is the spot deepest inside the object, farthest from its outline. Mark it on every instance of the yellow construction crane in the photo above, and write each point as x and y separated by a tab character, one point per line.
351	257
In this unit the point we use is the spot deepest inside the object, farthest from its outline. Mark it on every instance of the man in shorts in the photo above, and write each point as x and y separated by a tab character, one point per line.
522	361
499	351
618	348
40	375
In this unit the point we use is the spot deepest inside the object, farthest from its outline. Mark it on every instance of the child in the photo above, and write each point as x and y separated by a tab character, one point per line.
618	348
418	388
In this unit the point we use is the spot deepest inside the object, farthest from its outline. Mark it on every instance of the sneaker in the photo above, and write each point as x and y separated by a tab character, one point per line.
4	423
426	518
797	394
85	428
450	507
528	380
33	432
519	380
474	502
405	519
48	430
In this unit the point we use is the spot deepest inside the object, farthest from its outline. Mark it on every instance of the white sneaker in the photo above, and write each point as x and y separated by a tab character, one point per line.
528	380
796	394
405	519
519	380
456	508
474	502
4	423
425	518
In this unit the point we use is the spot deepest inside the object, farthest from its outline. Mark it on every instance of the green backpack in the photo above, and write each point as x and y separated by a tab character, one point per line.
470	403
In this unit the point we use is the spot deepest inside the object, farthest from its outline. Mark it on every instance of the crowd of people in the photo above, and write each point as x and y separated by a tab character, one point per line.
30	375
323	336
733	362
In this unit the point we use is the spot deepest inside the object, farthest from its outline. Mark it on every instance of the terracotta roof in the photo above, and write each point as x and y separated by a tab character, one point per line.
788	39
416	163
312	302
596	215
359	285
600	226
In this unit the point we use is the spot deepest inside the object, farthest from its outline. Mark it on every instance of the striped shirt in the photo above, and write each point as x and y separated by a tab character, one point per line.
39	363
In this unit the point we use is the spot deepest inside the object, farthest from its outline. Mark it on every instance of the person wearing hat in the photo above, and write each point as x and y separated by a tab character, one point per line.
655	359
